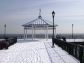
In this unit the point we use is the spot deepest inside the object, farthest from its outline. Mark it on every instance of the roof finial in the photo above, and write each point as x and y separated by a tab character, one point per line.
39	13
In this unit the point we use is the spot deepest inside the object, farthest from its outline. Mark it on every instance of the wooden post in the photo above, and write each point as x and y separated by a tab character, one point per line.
81	54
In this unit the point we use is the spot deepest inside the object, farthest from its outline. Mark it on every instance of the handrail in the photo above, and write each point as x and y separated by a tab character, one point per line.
73	49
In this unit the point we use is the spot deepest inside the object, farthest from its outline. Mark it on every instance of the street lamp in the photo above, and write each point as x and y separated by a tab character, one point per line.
4	30
72	31
53	14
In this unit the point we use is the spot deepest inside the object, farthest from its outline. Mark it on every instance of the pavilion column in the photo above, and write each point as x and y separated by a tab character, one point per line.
46	32
24	33
32	33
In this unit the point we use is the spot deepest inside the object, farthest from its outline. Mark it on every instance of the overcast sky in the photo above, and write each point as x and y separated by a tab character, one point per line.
15	13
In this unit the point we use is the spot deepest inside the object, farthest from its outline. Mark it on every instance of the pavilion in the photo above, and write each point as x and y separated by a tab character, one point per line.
38	24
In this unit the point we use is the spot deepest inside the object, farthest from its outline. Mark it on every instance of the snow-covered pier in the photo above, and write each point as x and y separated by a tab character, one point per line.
36	51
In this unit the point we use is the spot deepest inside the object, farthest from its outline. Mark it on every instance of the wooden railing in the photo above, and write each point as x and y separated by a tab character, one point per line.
73	49
4	44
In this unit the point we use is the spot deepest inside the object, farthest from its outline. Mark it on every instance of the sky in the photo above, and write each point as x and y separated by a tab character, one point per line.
15	13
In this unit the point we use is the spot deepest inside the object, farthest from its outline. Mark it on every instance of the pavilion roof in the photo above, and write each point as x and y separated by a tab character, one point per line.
39	22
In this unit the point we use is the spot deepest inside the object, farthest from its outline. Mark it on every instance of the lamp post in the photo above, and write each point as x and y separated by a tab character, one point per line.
4	30
53	14
72	31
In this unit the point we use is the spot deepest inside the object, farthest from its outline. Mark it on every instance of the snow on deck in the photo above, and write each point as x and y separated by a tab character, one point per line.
36	51
57	55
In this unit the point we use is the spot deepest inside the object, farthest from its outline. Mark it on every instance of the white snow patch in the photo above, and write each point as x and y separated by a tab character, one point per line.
35	51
